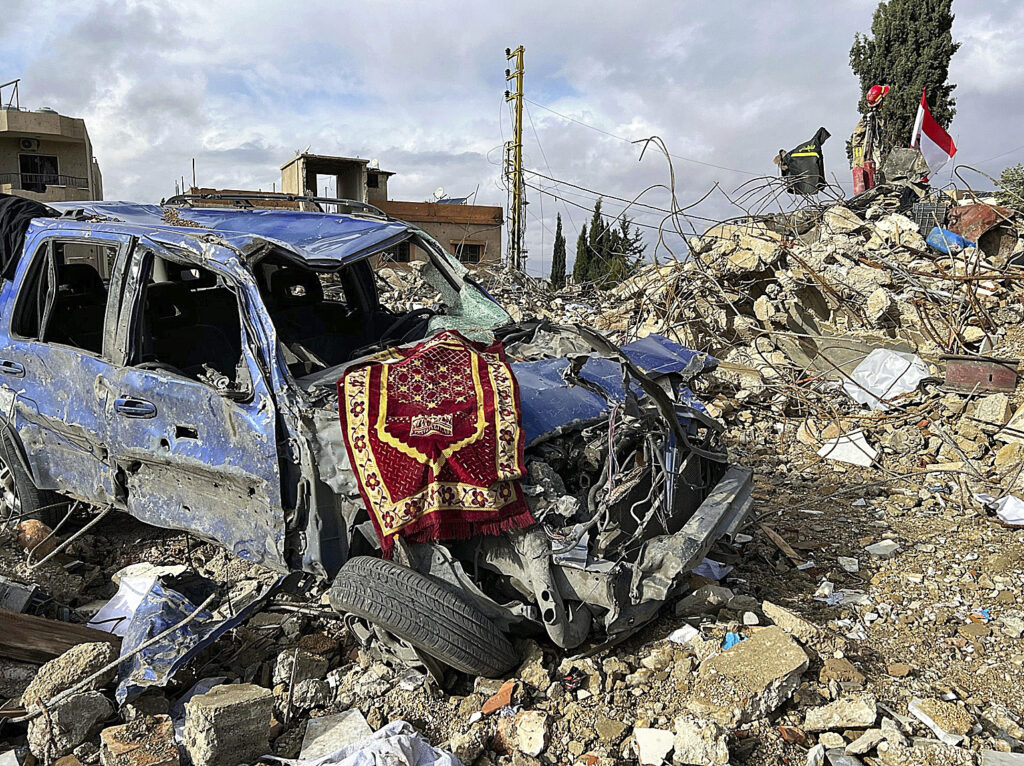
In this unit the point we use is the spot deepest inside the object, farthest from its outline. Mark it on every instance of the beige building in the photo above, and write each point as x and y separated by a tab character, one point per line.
470	232
46	156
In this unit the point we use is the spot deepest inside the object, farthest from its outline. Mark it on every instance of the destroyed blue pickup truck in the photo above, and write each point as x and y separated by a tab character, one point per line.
180	363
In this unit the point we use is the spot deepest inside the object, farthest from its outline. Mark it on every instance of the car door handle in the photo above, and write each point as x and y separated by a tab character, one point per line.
7	367
134	408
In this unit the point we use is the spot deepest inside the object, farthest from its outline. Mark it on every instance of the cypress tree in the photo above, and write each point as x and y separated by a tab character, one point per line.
600	246
910	48
558	258
581	268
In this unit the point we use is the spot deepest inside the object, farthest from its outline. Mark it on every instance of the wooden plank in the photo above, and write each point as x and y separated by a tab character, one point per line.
37	639
782	545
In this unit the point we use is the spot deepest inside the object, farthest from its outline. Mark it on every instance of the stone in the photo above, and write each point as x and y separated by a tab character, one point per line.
531	732
948	721
865	743
307	665
993	409
885	549
144	741
145	705
750	680
36	538
699	742
854	712
790	622
67	725
899	669
311	694
707	599
924	753
995	758
892	733
997	720
816	755
230	724
532	672
848	564
653	746
70	668
831	740
609	730
329	733
468	745
841	670
504	697
881	307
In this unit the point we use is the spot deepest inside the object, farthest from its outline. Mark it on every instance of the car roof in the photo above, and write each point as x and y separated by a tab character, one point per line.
321	239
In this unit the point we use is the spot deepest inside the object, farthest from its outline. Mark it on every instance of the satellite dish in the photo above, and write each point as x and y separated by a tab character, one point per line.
439	192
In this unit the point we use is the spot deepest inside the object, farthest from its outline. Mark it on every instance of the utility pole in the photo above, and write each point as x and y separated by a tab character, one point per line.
514	162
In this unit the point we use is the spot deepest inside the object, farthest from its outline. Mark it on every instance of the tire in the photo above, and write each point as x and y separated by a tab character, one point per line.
19	497
427	613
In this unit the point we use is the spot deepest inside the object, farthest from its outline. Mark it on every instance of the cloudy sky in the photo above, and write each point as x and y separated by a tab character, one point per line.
419	86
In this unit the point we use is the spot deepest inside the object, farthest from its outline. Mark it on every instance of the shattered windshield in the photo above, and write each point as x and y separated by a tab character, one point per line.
421	274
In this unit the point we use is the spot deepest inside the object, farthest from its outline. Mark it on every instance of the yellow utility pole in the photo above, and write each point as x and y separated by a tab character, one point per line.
514	162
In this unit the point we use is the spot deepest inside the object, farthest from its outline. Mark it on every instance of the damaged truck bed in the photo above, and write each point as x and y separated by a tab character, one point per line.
181	364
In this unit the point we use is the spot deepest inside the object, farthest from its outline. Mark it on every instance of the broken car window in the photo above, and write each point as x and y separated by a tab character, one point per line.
64	297
190	325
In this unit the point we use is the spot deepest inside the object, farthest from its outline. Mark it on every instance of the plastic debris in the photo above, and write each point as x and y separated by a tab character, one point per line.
884	375
850	448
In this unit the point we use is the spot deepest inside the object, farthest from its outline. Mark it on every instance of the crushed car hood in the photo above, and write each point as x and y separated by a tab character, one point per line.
552	404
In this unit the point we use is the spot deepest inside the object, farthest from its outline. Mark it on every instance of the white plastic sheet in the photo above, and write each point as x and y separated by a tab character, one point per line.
397	744
883	375
115	615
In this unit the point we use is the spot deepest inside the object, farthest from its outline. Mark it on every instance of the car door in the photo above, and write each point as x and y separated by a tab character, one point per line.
53	364
191	453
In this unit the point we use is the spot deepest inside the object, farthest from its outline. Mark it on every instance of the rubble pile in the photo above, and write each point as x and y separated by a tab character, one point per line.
871	613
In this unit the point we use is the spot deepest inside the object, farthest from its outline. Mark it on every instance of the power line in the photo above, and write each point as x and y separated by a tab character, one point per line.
630	141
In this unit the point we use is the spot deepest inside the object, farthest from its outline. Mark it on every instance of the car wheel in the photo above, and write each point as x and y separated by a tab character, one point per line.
425	612
19	497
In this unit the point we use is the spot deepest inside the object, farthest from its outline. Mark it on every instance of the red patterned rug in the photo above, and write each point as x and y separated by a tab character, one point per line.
433	433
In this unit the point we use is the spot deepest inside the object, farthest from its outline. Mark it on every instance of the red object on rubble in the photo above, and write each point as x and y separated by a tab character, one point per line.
864	177
434	438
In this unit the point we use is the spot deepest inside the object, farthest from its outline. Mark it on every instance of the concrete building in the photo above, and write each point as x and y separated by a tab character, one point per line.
47	156
470	232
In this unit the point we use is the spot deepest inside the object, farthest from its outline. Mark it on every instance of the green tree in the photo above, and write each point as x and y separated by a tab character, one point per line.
581	268
1012	192
613	251
910	48
558	257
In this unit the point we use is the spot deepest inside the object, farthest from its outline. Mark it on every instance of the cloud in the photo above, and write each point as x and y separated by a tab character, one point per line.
241	87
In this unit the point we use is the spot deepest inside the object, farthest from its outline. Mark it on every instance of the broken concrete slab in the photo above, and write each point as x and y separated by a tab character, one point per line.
751	679
866	742
653	746
67	725
141	742
948	721
790	622
329	733
884	549
699	742
298	665
705	600
70	668
230	724
857	711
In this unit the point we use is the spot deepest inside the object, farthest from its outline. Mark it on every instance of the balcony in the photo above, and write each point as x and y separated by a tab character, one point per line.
37	182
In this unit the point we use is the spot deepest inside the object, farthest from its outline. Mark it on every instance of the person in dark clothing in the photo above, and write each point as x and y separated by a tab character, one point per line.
15	215
803	168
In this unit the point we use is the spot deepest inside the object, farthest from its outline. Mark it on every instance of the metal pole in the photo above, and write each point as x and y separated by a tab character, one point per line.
514	161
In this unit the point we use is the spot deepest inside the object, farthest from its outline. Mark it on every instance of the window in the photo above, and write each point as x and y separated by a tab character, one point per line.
468	252
372	181
190	325
38	170
400	253
64	298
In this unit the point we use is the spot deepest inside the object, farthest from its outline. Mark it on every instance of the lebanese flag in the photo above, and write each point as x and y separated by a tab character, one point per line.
935	144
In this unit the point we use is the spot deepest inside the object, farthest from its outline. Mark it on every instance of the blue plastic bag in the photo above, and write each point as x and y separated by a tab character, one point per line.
946	241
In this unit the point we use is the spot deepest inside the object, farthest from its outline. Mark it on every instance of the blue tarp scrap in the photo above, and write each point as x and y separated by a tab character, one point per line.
160	609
